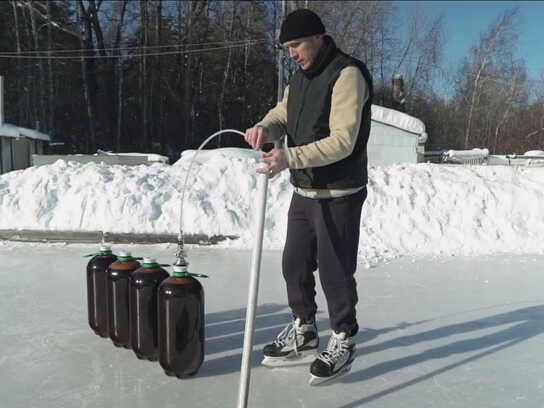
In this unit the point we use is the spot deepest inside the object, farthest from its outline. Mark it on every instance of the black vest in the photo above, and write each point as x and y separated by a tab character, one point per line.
308	110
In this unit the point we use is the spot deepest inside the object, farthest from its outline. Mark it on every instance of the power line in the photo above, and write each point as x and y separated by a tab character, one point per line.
149	47
152	54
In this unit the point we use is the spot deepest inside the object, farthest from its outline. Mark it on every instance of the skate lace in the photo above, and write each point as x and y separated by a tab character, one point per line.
288	335
336	348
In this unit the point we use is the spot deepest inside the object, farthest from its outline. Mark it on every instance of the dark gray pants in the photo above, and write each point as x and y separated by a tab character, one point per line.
323	233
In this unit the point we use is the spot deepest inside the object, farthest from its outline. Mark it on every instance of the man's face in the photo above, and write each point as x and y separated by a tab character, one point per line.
304	50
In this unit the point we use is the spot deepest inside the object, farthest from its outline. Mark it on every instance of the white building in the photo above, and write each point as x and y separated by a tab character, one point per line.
395	137
17	145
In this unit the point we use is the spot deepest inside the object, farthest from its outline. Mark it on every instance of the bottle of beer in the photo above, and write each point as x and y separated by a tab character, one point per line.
97	301
144	283
118	284
181	323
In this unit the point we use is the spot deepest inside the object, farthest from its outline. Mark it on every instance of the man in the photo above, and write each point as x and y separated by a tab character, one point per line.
325	115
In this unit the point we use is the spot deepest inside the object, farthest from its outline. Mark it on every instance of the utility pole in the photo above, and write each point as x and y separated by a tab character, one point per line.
281	55
1	103
399	96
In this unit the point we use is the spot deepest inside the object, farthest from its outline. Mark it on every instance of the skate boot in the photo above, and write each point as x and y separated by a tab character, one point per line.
296	344
335	360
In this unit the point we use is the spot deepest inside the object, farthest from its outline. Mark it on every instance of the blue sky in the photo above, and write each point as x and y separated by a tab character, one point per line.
465	20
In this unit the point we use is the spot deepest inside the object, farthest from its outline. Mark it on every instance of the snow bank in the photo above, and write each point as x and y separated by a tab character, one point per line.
416	209
151	157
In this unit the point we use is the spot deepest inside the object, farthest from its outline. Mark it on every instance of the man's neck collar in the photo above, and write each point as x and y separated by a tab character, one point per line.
324	56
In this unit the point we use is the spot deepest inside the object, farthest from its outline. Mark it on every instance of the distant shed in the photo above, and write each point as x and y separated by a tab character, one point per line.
18	144
395	137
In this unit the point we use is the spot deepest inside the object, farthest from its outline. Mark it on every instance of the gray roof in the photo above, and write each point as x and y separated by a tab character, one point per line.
9	130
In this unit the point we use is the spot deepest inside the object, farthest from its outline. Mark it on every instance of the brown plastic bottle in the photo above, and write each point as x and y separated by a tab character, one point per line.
97	301
181	324
118	307
144	283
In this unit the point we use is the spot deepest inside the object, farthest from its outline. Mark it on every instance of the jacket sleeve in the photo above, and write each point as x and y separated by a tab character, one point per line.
276	118
349	94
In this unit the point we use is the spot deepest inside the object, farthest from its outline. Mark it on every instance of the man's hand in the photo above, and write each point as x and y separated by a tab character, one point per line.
257	136
275	162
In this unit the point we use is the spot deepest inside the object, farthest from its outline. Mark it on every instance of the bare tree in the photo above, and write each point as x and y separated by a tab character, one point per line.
18	53
41	91
144	43
192	23
221	99
508	96
362	29
121	9
87	65
51	92
368	31
156	76
499	37
535	115
418	55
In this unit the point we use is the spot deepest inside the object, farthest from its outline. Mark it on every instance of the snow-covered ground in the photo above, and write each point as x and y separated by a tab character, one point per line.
412	209
436	332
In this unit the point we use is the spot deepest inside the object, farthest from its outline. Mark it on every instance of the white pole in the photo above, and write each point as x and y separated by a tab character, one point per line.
245	371
253	292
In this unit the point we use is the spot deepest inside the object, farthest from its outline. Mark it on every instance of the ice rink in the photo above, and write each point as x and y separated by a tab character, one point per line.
440	332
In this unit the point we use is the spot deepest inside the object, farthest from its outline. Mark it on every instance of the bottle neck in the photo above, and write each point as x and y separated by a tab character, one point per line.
127	259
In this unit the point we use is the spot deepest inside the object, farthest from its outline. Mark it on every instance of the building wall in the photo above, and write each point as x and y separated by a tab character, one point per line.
5	154
16	153
21	153
390	145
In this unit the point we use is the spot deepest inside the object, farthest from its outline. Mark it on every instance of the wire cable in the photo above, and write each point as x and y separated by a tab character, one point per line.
152	54
150	47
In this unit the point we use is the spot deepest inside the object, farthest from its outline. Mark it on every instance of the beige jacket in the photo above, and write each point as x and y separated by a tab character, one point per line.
349	94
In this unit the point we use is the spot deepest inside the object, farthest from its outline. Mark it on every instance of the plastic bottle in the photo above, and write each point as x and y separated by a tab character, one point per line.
97	301
144	283
118	306
181	323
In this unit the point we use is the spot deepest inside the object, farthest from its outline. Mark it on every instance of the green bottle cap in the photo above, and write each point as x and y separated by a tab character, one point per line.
151	263
181	271
126	256
104	250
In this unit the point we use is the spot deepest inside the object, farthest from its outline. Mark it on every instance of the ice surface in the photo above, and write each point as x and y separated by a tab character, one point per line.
435	332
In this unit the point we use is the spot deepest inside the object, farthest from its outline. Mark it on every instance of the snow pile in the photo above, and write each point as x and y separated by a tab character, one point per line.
151	157
416	209
430	209
467	154
538	153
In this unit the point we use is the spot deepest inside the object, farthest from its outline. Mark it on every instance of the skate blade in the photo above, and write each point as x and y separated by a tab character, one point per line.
314	380
303	358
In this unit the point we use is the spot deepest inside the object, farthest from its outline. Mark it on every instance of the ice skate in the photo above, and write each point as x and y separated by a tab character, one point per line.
335	361
295	345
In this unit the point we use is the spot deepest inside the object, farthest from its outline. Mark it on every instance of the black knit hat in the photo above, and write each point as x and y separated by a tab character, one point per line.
300	23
